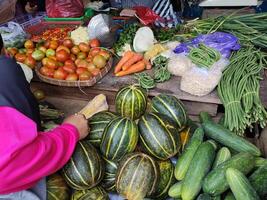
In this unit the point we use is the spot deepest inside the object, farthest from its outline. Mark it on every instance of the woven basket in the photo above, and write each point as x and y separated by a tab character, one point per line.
65	83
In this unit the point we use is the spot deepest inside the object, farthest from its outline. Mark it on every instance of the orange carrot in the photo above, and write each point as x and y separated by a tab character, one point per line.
137	57
148	64
128	55
138	67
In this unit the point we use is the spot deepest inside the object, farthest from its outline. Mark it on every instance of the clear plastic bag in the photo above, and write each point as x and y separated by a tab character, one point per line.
64	8
13	35
201	81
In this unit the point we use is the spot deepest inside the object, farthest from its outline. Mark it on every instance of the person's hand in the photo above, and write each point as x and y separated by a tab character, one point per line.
79	121
30	9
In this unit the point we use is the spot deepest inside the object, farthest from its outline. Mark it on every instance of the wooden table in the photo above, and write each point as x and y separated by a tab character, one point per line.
71	99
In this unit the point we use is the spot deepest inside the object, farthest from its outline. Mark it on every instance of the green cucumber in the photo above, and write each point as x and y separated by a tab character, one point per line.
240	185
204	197
258	180
199	167
215	144
175	190
184	160
215	182
216	197
229	139
204	117
229	196
222	155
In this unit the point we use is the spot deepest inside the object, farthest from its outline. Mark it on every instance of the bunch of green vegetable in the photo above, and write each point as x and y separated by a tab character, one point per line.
161	74
250	28
207	166
163	35
204	56
238	90
126	37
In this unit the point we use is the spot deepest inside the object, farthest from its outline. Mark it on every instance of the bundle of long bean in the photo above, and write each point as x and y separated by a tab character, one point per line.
161	73
145	80
251	28
238	90
204	56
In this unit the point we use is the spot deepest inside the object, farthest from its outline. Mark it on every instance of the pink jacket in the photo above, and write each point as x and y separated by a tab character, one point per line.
27	155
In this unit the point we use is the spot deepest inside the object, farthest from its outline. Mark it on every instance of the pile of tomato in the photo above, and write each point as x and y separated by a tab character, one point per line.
63	60
52	34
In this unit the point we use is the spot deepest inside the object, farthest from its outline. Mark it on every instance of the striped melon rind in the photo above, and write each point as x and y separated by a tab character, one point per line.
159	136
57	188
166	179
131	102
137	176
172	107
119	138
85	169
97	124
92	194
108	182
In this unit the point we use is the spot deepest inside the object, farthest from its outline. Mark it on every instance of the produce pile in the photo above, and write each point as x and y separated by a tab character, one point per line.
62	59
129	152
52	34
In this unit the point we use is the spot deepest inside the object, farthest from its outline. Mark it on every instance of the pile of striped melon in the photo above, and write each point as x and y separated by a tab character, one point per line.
127	152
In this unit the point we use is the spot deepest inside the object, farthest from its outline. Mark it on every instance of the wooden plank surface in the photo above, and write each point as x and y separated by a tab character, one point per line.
69	95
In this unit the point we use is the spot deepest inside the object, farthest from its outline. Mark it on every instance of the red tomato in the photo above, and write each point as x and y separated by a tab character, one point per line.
69	62
94	43
85	76
30	62
77	61
60	47
29	44
69	68
91	67
84	47
81	55
72	77
68	43
52	64
20	57
105	54
53	44
47	71
75	50
44	61
80	70
60	74
95	71
72	57
94	51
29	52
62	55
82	63
12	51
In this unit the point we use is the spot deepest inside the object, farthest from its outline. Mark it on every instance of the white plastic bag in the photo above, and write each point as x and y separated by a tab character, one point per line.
13	35
27	71
201	81
179	64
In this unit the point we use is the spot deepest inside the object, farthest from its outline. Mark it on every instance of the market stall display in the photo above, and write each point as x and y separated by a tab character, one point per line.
151	147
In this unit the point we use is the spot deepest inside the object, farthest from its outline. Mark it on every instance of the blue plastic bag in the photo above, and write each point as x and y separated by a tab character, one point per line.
222	42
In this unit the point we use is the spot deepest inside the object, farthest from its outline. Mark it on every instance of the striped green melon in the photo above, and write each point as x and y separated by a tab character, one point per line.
119	138
85	169
137	176
57	188
166	179
97	124
159	136
108	182
172	107
96	193
131	102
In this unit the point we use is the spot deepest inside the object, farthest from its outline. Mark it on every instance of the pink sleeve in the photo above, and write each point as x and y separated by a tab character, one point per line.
46	154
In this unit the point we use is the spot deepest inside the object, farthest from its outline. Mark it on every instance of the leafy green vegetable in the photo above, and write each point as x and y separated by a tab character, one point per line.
126	37
145	80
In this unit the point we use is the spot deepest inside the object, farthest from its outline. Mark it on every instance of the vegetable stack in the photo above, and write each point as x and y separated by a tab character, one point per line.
239	90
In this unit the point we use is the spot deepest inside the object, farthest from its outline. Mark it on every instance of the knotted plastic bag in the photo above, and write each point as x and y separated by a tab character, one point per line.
64	8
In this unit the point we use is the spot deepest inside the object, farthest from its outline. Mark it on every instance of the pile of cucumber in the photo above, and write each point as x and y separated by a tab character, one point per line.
217	164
